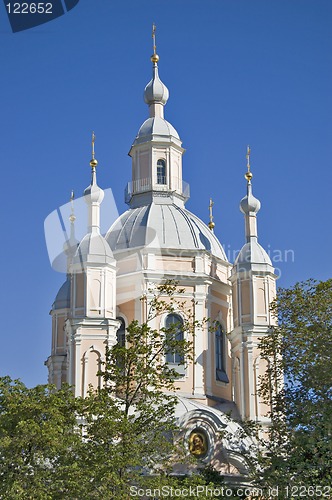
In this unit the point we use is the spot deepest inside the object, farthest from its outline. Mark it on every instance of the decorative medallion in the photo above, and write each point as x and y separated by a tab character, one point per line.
198	443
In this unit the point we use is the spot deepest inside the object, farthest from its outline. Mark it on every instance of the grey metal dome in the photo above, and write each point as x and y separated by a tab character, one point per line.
156	128
156	91
93	248
252	253
62	299
164	226
249	204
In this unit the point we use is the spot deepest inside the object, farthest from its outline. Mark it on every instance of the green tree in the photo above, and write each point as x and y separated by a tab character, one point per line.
39	442
124	435
298	382
131	431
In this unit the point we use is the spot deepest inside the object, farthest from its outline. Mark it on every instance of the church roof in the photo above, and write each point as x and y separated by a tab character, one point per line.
62	299
93	248
252	253
165	226
156	127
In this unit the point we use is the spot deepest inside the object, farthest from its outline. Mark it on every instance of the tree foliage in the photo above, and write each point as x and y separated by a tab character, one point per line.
123	435
130	421
39	442
299	385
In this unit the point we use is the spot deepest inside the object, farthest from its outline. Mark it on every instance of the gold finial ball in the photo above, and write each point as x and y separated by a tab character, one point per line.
93	163
155	58
211	225
248	176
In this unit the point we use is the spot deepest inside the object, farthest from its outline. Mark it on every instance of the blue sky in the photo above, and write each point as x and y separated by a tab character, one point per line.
239	72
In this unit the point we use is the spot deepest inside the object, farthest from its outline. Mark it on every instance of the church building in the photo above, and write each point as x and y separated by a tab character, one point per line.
156	239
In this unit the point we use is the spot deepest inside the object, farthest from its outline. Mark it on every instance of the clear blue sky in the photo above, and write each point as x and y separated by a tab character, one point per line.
239	72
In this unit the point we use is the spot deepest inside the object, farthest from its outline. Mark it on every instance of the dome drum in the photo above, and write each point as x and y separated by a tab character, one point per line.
148	185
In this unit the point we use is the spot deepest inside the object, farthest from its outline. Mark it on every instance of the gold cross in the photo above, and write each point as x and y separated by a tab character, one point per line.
211	224
248	174
154	38
248	158
93	145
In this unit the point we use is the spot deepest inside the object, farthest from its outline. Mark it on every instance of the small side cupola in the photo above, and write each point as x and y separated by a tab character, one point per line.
93	247
93	195
252	252
253	289
249	205
94	267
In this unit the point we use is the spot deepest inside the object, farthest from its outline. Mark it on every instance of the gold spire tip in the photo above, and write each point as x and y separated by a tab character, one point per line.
93	162
154	57
248	174
211	224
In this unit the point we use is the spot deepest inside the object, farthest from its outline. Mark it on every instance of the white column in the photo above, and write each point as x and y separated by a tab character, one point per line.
199	308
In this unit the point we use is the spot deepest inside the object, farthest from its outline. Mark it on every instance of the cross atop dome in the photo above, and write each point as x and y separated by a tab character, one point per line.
211	224
249	205
155	93
93	162
93	194
154	57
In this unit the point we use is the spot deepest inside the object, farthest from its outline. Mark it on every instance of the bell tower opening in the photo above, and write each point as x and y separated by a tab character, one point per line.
161	172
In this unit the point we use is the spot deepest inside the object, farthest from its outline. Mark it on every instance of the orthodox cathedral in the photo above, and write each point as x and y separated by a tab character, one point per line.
157	238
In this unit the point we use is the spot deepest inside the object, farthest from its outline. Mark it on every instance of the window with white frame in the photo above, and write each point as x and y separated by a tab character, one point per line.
220	358
121	333
161	172
174	331
121	341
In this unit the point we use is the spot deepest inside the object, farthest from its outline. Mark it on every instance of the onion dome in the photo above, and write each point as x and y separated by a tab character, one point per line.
249	204
156	91
93	194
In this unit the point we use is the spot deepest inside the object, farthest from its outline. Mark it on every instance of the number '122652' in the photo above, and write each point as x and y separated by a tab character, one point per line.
29	8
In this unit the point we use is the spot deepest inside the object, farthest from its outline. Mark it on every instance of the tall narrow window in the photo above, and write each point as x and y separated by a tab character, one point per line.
174	323
121	333
219	342
121	342
161	172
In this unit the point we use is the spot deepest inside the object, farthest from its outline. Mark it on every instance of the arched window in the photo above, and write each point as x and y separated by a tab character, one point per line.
161	172
121	340
219	343
174	325
121	333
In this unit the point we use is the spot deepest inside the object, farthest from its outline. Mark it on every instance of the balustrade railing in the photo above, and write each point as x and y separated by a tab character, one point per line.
161	183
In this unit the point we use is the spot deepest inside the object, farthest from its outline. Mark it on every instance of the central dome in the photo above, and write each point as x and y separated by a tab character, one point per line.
164	226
